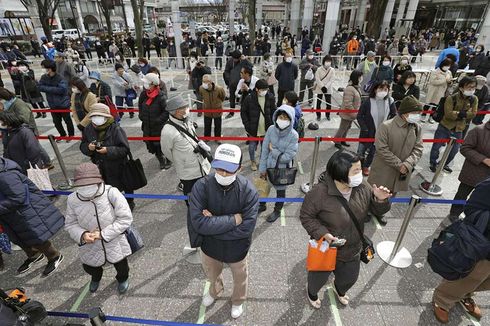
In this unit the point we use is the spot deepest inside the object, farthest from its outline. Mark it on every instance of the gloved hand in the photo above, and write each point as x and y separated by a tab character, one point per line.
462	115
204	146
80	127
324	89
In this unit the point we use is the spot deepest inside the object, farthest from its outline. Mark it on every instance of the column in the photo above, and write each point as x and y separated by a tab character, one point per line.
129	15
231	16
295	9
56	17
401	12
286	14
146	20
412	9
258	15
361	14
177	31
308	15
36	22
387	16
352	18
485	31
331	19
81	27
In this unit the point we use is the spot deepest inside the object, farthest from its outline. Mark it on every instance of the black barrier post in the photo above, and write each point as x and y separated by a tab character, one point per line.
97	317
432	188
390	251
69	183
306	187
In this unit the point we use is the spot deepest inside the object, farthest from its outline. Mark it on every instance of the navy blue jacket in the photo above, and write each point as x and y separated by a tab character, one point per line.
222	239
366	121
56	89
27	215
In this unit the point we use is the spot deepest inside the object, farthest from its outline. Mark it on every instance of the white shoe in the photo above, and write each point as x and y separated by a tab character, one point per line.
343	300
236	311
207	300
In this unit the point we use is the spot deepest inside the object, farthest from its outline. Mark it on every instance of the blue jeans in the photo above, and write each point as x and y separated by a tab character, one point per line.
444	133
120	102
366	159
252	147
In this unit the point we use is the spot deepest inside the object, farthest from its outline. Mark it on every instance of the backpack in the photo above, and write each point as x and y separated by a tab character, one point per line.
438	114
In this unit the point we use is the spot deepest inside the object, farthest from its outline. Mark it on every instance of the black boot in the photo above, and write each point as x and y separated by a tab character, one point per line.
38	115
381	219
165	164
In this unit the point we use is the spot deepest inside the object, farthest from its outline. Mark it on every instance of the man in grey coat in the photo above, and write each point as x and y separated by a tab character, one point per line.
64	68
307	80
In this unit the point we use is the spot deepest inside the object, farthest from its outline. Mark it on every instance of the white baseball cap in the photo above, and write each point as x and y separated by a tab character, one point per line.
227	157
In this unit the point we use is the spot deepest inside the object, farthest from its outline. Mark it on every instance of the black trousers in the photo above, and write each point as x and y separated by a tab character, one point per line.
122	269
463	192
218	60
57	118
302	87
280	96
187	187
328	99
207	126
278	205
346	275
232	97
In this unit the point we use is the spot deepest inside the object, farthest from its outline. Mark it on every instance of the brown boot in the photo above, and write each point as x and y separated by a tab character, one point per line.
441	315
471	307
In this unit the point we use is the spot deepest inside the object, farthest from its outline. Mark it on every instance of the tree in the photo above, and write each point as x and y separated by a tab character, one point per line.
46	9
251	20
106	6
376	14
138	8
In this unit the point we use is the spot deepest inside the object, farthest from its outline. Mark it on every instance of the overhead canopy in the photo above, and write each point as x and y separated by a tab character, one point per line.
11	5
16	14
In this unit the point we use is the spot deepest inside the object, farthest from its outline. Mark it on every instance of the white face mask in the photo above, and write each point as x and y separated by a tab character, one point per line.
75	90
310	57
469	93
225	181
146	84
289	59
381	94
360	79
283	124
142	64
404	62
327	64
98	120
186	114
445	68
88	191
414	117
205	85
23	68
355	180
262	93
386	63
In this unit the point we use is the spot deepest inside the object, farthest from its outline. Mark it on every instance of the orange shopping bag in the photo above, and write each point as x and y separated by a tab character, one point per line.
321	258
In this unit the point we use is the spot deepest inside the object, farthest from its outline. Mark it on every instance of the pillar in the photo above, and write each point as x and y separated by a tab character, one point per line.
361	14
401	12
387	17
308	15
484	37
258	15
331	18
177	31
231	16
412	9
36	22
56	17
295	9
352	18
129	15
81	27
286	14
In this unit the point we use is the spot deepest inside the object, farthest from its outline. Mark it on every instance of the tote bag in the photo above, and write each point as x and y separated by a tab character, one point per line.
281	176
133	177
40	177
321	258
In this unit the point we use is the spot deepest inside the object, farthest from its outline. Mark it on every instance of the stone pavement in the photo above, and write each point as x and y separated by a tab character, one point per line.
164	286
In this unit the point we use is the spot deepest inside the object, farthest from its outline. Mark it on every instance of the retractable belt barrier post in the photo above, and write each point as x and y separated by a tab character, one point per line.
69	183
432	188
306	187
390	251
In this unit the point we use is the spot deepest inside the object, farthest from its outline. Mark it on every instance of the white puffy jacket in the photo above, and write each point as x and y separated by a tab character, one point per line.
109	212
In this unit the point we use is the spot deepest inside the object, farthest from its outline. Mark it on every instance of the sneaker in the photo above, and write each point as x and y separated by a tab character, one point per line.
441	315
68	141
28	263
229	115
199	114
273	216
432	168
123	287
382	220
167	164
93	286
339	146
207	300
365	172
471	307
318	118
345	144
38	115
180	186
342	299
447	169
253	166
48	166
262	208
52	265
236	311
328	118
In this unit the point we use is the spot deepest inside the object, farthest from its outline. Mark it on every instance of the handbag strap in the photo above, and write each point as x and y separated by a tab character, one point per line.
352	216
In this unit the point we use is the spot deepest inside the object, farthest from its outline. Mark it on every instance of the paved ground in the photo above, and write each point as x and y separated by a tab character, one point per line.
165	287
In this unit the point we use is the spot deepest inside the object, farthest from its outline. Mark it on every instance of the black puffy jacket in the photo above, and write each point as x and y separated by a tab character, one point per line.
23	148
250	112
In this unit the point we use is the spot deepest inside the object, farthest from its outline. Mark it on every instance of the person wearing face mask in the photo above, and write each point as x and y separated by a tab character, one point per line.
96	217
378	108
123	88
324	77
152	105
144	65
256	113
64	68
212	96
399	148
246	84
286	74
278	150
439	80
266	71
308	67
405	87
384	71
28	88
146	45
232	76
352	50
483	95
367	66
82	100
221	220
100	88
323	216
218	62
197	73
479	61
401	67
459	109
15	75
179	144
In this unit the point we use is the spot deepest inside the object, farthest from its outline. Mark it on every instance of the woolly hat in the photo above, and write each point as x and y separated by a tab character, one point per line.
87	174
100	109
409	104
176	103
136	69
152	79
371	54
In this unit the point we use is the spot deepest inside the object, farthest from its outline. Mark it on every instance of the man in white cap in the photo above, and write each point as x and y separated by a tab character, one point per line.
223	208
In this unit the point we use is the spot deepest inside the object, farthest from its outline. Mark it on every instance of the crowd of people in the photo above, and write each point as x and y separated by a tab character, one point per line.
223	205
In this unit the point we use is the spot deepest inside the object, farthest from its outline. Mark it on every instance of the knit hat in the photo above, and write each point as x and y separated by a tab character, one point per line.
309	52
100	109
371	54
236	54
176	103
136	69
261	84
480	81
87	174
94	75
152	79
409	104
118	66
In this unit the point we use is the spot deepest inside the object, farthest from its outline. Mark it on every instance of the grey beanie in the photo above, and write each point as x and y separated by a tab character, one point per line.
176	103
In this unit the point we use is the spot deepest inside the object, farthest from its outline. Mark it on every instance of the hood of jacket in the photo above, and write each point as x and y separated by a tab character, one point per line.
8	165
289	110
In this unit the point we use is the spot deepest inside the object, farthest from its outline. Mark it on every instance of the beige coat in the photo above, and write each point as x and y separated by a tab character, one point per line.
212	100
397	142
323	78
437	85
351	101
475	149
90	100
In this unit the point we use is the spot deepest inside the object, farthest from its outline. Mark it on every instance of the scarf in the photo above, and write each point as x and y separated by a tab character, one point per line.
376	111
101	130
152	94
367	66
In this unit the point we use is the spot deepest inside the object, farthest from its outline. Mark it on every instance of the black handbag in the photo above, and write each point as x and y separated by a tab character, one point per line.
281	176
134	238
133	176
368	252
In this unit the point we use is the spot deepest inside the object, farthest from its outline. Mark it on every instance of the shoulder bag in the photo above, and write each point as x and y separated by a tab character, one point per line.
368	252
133	176
205	154
281	176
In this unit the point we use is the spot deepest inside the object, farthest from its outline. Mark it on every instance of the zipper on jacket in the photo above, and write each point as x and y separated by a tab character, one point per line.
100	230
